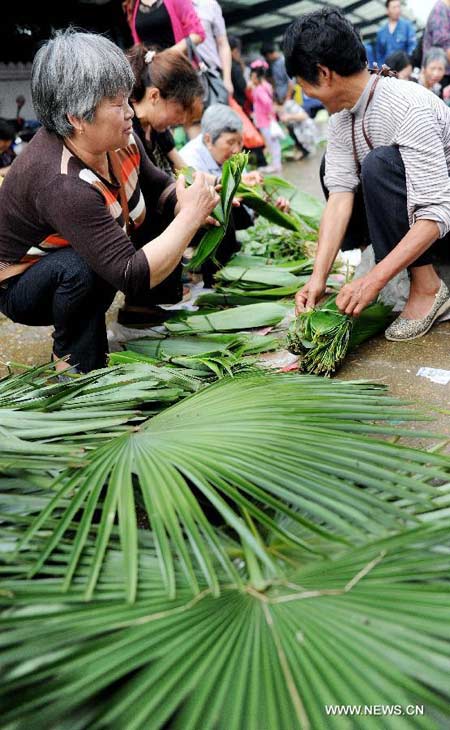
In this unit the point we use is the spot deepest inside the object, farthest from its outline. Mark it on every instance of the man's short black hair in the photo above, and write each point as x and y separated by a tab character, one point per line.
323	37
388	2
7	131
267	47
234	42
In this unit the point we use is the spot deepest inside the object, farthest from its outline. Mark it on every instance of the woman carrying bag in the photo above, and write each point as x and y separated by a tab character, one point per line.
161	24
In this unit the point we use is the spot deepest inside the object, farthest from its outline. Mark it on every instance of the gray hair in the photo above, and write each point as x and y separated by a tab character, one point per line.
218	119
435	54
72	73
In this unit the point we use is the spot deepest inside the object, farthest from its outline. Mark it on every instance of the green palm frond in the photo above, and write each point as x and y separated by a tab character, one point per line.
369	626
120	387
247	449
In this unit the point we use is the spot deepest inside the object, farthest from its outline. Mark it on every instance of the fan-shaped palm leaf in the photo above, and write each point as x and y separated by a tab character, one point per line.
121	387
368	627
252	448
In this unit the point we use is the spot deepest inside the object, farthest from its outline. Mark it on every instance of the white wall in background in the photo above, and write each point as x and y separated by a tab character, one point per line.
15	80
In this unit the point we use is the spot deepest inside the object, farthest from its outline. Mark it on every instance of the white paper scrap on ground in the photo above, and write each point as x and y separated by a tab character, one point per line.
435	374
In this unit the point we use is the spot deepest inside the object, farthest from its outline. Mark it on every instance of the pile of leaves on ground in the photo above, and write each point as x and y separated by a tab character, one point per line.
187	541
273	242
247	279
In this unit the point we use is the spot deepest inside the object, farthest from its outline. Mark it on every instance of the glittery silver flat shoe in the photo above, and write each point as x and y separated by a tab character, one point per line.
409	329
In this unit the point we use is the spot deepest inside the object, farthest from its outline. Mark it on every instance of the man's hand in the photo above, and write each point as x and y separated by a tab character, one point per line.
310	294
358	294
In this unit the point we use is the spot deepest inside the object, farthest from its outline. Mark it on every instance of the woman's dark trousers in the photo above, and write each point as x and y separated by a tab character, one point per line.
380	215
63	291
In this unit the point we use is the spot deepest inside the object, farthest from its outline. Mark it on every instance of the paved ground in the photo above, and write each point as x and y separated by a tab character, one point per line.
395	364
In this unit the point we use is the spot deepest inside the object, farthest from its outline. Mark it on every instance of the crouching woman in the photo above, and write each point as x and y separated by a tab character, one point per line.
75	199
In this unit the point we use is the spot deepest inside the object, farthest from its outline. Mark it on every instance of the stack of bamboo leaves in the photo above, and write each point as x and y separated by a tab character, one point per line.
250	316
256	281
203	355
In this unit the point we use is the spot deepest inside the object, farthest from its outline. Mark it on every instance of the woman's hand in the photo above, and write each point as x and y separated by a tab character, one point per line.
252	178
283	204
357	295
199	199
310	294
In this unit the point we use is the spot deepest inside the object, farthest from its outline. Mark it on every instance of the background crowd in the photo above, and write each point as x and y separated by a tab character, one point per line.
255	83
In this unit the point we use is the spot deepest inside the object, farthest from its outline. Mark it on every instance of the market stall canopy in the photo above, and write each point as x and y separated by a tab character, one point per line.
253	20
26	25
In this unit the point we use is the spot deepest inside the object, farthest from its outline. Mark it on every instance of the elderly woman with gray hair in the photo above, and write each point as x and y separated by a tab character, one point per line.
81	195
433	70
220	138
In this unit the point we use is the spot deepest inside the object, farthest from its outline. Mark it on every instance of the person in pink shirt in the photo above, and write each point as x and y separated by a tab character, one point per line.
160	24
264	114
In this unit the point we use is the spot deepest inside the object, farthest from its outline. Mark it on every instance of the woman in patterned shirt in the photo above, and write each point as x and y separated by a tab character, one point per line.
79	198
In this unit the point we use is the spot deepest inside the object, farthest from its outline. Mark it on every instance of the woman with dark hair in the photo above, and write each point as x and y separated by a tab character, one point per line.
161	24
167	92
386	172
81	196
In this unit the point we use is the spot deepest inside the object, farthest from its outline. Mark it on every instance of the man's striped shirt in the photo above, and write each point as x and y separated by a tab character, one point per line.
415	120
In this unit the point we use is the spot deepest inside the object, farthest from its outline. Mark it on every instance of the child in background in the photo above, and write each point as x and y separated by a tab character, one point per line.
264	114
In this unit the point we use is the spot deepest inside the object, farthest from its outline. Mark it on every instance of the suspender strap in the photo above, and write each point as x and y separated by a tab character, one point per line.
383	71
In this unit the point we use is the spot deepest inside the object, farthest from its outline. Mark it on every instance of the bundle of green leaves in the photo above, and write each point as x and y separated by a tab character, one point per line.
324	335
231	177
254	197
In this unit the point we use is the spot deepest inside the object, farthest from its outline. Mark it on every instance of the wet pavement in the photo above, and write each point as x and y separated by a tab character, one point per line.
395	364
